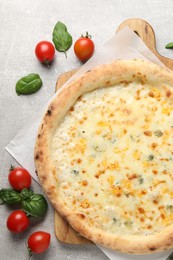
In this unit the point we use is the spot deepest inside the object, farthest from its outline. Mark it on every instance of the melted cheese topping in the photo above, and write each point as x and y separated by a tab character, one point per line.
114	157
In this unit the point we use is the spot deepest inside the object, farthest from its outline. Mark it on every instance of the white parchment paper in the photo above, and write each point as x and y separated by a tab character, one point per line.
124	45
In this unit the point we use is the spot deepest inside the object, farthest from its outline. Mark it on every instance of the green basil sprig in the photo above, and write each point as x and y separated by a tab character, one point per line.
169	45
26	194
1	201
28	84
9	196
35	206
61	38
170	257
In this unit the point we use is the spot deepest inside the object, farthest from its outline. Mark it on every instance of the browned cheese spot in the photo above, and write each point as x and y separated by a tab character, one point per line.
149	227
151	94
169	244
154	145
43	179
161	207
142	219
107	82
37	157
152	248
148	133
54	172
49	112
51	190
137	94
162	216
155	201
85	183
141	210
133	176
164	172
79	161
125	82
99	173
168	93
71	109
82	216
146	29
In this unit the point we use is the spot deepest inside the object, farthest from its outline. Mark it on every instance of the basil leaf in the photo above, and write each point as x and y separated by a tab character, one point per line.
28	84
35	206
61	38
10	196
26	194
1	200
169	45
170	257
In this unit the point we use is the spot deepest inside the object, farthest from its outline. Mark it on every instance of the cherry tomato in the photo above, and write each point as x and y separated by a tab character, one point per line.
17	221
19	178
84	47
45	52
39	241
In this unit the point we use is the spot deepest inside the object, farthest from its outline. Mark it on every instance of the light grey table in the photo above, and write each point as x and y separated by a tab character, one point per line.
24	23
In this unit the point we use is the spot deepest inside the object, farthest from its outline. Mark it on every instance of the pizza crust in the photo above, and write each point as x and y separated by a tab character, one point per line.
118	72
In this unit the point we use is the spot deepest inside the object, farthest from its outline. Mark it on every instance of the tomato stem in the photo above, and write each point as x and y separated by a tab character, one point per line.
27	214
29	252
87	35
47	63
11	168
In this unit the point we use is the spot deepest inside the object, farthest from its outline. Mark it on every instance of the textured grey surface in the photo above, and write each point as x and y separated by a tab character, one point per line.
24	23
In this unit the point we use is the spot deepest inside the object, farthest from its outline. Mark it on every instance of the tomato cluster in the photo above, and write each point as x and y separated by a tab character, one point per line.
18	221
83	49
19	178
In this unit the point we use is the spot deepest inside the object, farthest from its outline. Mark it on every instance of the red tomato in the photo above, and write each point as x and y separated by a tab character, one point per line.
39	242
17	221
84	48
19	178
45	52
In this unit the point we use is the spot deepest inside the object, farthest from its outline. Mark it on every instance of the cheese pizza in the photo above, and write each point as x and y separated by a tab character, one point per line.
104	156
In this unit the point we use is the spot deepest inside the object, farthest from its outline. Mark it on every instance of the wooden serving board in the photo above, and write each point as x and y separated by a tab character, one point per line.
63	231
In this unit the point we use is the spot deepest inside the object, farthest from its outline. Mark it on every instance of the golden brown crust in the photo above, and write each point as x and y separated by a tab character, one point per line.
103	76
